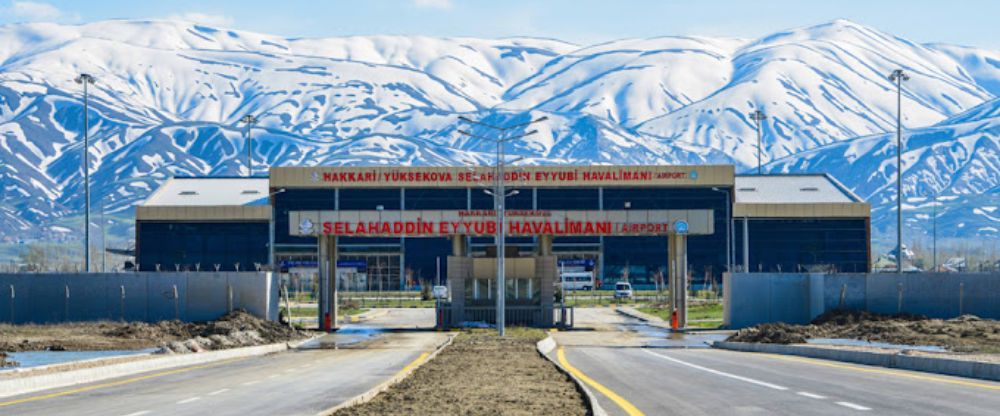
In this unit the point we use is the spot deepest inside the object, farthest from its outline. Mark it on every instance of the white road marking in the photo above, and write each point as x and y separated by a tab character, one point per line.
811	395
189	400
717	372
139	413
272	376
854	406
218	392
289	370
250	383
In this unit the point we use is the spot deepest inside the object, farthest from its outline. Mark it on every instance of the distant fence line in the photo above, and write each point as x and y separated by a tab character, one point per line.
142	296
797	298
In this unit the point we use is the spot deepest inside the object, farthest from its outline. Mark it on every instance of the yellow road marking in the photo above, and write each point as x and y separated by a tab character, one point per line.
113	383
897	373
619	400
409	367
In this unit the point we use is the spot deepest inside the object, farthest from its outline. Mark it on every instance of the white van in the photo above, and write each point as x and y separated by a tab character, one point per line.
623	290
576	281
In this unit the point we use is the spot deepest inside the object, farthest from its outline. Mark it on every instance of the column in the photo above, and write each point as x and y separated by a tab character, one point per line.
327	262
458	245
545	245
677	268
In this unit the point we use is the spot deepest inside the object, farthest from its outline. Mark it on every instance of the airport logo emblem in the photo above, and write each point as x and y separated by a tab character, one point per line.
680	227
305	226
693	174
315	177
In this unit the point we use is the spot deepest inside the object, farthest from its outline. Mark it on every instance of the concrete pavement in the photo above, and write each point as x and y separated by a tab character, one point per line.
299	382
645	372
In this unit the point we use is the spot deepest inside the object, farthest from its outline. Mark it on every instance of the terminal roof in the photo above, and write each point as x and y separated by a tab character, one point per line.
791	189
210	192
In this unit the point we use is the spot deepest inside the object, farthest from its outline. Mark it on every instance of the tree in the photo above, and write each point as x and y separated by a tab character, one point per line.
35	257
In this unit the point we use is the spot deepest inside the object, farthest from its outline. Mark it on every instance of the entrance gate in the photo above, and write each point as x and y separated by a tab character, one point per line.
463	270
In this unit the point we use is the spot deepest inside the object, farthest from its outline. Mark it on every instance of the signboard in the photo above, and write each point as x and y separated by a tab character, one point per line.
401	176
429	223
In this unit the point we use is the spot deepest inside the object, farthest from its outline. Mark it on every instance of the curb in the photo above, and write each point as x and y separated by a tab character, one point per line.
383	386
944	366
644	317
545	347
31	384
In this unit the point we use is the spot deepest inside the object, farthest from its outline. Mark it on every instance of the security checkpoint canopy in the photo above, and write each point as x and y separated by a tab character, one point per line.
434	223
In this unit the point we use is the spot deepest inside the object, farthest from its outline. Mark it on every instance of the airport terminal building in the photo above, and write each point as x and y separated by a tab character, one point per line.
788	222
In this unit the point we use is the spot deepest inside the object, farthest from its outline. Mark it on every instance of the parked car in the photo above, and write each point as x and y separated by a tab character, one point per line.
623	290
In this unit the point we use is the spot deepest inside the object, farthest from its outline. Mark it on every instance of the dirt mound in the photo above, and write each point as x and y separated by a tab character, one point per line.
481	374
4	362
236	329
966	333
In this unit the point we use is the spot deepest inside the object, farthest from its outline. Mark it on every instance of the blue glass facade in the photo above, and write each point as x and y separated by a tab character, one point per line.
795	245
194	245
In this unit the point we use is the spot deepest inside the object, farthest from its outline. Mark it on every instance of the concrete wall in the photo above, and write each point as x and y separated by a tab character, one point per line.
752	298
148	296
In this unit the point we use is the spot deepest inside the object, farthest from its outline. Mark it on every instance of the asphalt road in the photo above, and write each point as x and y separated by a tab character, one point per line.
301	382
645	372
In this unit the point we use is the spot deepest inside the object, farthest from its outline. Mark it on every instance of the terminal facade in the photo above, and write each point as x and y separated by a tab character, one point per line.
377	219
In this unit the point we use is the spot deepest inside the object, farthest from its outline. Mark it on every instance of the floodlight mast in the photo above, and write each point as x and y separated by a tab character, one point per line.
499	202
249	120
86	80
898	76
758	117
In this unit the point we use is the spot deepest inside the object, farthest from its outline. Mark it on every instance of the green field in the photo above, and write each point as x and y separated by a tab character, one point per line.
702	315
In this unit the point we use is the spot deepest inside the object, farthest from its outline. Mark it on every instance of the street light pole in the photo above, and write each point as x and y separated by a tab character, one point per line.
758	117
249	120
934	232
499	199
86	79
898	76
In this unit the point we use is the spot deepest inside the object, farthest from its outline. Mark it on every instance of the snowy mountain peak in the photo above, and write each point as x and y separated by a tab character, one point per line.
169	95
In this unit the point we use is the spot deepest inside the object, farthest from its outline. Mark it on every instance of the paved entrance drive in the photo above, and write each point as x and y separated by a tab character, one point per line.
634	370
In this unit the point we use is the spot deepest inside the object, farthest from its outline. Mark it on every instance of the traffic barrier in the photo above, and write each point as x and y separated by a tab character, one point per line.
945	366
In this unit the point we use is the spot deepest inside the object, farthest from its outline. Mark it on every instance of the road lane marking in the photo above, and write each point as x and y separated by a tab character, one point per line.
882	371
139	413
811	395
115	383
218	392
250	383
629	408
409	367
717	372
854	406
272	376
189	400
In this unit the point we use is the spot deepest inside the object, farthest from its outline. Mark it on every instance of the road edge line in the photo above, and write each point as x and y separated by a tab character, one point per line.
941	366
549	344
373	392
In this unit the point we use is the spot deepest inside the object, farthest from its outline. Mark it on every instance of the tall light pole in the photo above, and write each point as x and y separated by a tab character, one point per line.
934	227
499	202
249	120
86	79
898	76
758	117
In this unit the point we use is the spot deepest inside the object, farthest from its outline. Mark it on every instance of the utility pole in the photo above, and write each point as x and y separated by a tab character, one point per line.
898	76
499	202
249	120
758	117
86	79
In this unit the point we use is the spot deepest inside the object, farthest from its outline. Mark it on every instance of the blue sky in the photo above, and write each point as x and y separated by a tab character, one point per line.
966	22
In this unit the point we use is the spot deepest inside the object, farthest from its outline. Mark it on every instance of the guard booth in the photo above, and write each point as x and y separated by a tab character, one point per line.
530	280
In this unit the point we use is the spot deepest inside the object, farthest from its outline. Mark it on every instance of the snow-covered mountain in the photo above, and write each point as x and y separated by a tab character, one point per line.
956	161
169	96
